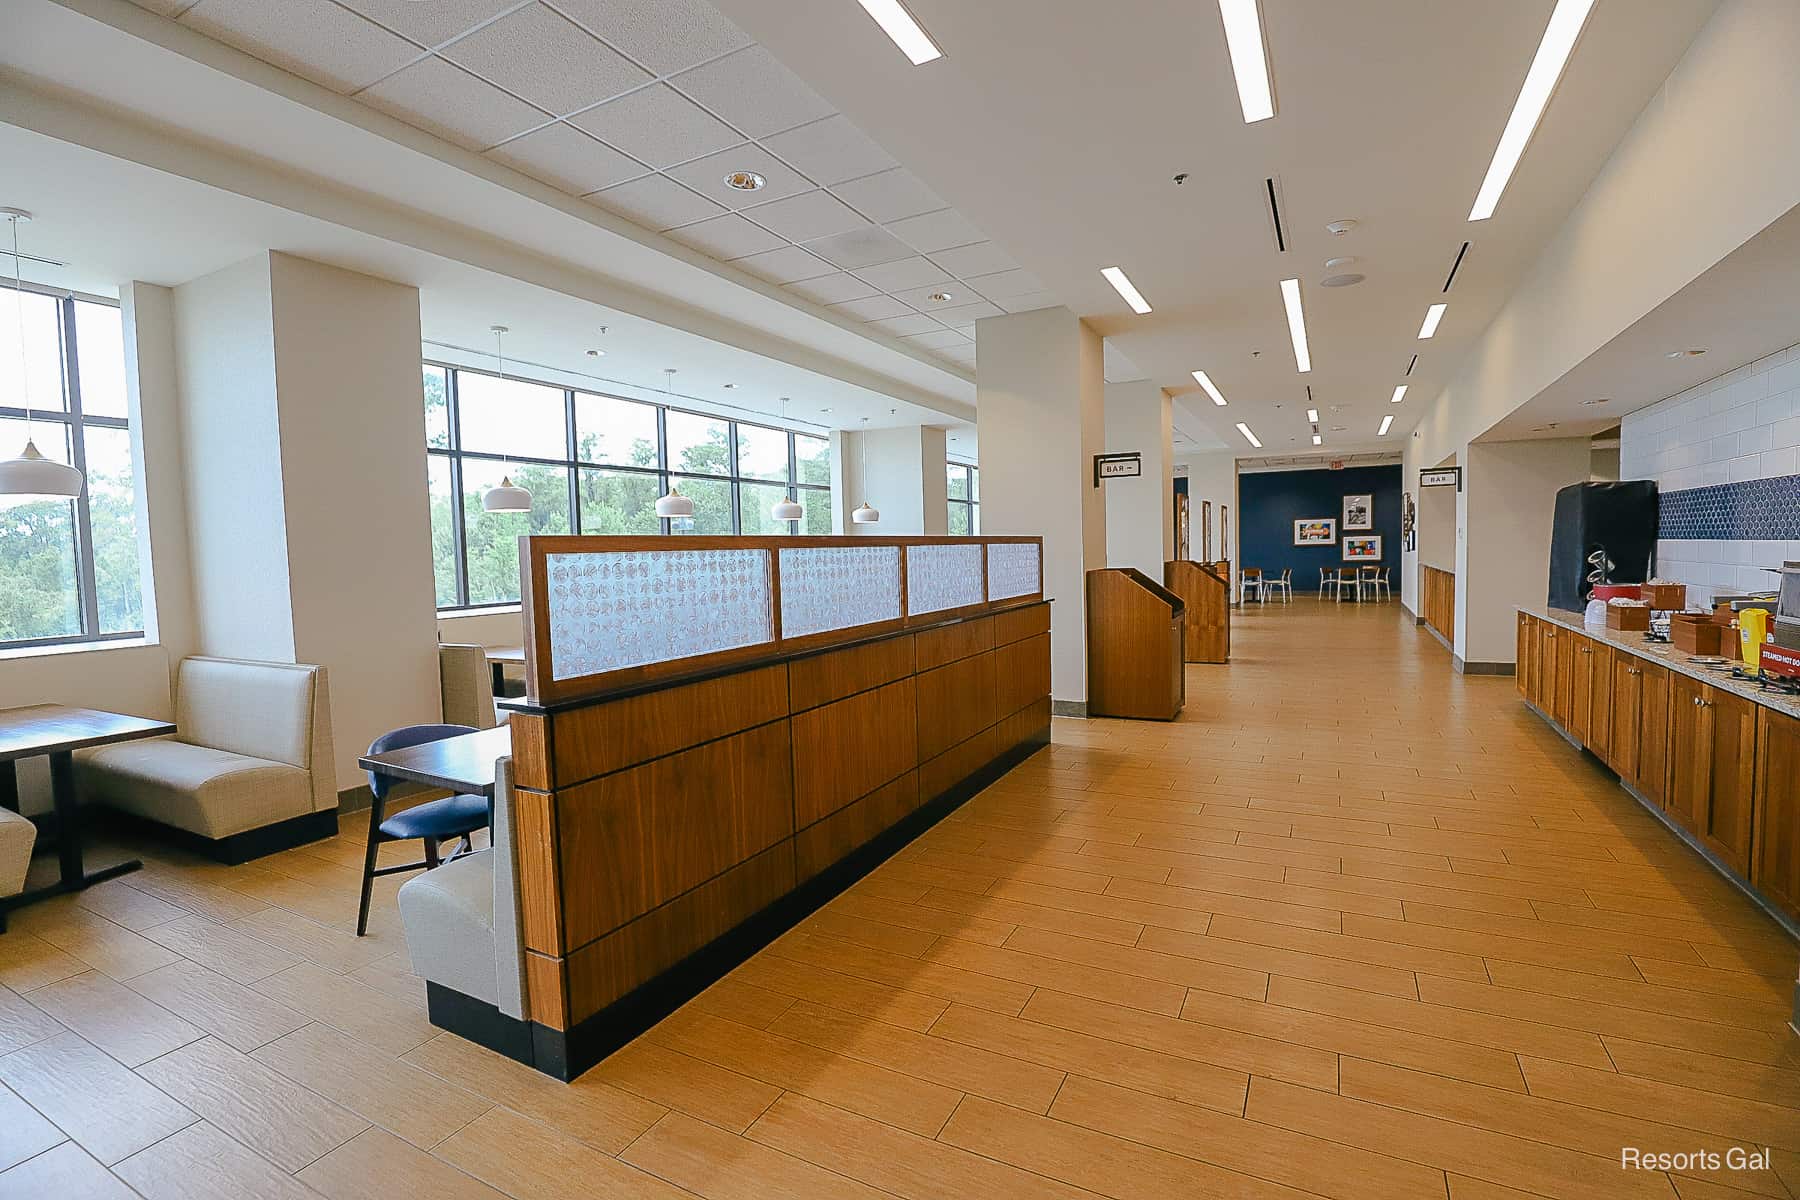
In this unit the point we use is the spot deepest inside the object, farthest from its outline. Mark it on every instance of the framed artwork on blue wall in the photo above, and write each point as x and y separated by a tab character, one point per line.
1359	512
1315	531
1364	547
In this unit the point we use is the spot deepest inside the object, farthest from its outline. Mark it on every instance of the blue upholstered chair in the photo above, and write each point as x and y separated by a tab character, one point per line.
431	822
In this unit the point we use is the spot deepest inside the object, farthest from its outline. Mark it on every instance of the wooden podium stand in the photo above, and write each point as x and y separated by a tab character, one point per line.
1207	594
1134	629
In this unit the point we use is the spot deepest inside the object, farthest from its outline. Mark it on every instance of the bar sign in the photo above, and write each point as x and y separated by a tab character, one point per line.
1118	466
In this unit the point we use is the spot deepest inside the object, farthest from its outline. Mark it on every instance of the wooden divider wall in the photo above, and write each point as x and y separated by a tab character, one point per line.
1437	600
1206	626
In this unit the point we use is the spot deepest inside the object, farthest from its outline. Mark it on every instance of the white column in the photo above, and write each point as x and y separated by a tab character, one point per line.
1212	493
1040	420
1140	512
898	471
152	380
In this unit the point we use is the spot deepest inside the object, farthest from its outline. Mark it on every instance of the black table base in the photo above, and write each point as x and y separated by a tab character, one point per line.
73	875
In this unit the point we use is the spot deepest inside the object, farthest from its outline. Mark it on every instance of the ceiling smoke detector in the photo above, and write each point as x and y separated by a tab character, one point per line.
1348	279
745	181
940	297
1340	228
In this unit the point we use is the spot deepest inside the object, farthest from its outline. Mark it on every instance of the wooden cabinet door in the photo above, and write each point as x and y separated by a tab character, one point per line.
1652	777
1690	752
1775	870
1545	696
1525	655
1726	817
1627	716
1581	689
1562	704
1600	684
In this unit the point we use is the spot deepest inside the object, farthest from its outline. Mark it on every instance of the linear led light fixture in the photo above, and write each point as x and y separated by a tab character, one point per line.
1546	69
1211	390
1387	423
1399	394
1122	285
1317	440
1249	58
1290	296
1248	436
1433	315
1312	415
899	25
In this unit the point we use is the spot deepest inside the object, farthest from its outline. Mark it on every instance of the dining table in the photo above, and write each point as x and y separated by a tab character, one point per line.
55	732
463	764
500	659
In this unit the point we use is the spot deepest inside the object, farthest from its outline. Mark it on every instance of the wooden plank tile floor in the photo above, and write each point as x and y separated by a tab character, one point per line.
1355	926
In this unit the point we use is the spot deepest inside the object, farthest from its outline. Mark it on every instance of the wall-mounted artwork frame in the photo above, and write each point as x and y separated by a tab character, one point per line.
1362	547
1315	531
1359	512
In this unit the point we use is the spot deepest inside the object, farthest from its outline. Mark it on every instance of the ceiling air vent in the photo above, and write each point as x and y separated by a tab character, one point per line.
1412	364
1456	266
1272	193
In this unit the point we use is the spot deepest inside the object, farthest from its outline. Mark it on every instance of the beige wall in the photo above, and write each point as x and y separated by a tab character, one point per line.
900	471
1436	516
1140	512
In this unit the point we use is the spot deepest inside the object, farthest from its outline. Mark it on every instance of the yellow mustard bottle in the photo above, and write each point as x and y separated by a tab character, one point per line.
1753	627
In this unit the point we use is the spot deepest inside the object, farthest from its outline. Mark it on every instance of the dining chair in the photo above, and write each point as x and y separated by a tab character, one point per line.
1383	589
1349	579
1252	579
1327	581
1283	585
431	822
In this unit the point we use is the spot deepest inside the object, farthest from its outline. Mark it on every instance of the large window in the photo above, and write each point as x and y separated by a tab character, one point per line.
594	464
68	568
964	489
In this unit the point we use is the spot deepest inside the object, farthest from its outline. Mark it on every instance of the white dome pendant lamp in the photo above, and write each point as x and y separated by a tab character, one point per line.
864	513
508	497
674	506
30	476
787	508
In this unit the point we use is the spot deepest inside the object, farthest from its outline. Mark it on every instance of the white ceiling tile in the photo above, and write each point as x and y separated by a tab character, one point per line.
831	151
707	176
921	297
165	8
1006	284
890	195
807	216
659	125
727	237
872	308
966	262
834	289
964	316
754	92
786	265
665	35
656	202
964	354
542	56
938	230
861	248
939	339
906	326
567	158
428	24
906	273
1030	302
444	99
314	39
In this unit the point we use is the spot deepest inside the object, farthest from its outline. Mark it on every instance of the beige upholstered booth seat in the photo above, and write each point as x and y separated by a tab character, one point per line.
250	769
462	922
17	836
467	685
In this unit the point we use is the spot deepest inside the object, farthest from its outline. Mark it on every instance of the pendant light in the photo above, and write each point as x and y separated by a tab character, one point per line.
674	506
30	476
864	513
787	508
508	497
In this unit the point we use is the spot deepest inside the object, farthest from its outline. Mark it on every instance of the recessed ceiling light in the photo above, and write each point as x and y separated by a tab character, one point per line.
1686	353
745	181
899	25
824	410
1333	264
1123	286
1433	315
730	386
1387	423
1248	436
596	354
1296	315
1312	414
941	297
1207	384
1399	395
1601	400
1317	440
1249	58
1546	68
1340	228
1349	279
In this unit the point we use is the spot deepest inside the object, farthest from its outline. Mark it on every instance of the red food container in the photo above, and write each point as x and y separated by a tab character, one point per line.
1618	591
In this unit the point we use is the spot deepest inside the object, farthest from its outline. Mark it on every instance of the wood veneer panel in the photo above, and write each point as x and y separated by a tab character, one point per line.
1021	674
545	1002
823	843
612	735
1776	869
604	970
1206	624
827	677
851	747
530	750
540	886
636	839
1134	647
1020	623
1032	721
956	764
935	647
954	702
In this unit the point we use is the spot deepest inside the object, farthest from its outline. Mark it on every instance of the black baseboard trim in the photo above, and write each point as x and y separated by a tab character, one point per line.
566	1055
1441	639
480	1022
237	848
1482	668
1069	708
356	799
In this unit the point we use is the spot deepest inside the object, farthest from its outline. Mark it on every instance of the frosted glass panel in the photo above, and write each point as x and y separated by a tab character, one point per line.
609	611
1014	570
838	587
940	577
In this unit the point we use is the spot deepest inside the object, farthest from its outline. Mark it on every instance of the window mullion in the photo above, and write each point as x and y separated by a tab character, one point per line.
572	471
459	542
85	577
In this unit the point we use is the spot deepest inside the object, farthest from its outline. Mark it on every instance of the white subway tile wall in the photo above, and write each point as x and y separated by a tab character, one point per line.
1741	426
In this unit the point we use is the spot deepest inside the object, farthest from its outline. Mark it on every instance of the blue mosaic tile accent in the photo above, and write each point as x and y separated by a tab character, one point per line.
1755	509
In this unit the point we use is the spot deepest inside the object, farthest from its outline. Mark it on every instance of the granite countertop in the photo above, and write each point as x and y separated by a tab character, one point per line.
1668	656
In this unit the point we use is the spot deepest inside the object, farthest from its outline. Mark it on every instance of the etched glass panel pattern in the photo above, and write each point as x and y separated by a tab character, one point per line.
940	577
609	611
838	587
1014	570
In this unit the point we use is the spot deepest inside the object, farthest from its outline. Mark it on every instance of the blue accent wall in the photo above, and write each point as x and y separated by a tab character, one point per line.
1269	502
1765	510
